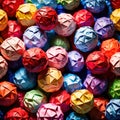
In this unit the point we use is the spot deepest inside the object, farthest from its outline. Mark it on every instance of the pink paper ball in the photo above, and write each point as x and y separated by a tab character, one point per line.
57	57
66	24
50	111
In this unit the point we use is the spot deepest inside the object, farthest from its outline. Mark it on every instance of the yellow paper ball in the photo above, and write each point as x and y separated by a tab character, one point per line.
3	20
82	101
25	14
51	81
115	17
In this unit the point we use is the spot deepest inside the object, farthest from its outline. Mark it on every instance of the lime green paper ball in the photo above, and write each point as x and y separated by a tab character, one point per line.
114	90
60	41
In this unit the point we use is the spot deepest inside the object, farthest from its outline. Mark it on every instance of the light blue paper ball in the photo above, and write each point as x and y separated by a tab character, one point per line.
85	39
24	80
113	110
33	37
75	116
72	82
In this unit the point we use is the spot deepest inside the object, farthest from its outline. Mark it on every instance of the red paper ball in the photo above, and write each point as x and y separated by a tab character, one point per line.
1	1
115	4
13	30
97	62
8	93
16	114
46	18
35	60
98	111
10	6
61	98
83	18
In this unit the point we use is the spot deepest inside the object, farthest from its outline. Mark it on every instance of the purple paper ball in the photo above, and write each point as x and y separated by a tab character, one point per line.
75	61
34	37
104	27
95	84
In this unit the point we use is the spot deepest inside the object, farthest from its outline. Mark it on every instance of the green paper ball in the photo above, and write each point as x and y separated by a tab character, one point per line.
60	41
33	100
114	90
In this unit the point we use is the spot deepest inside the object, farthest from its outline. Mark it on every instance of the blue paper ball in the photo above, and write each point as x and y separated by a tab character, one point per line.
24	79
41	3
113	110
85	39
72	82
75	116
33	37
94	6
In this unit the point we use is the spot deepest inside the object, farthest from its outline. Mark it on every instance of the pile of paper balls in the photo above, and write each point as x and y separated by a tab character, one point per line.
59	59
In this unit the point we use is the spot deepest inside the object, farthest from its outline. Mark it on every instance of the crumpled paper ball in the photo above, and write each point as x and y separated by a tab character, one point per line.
16	114
83	18
46	18
115	17
104	27
72	82
42	3
3	67
115	63
75	61
94	6
95	85
115	4
57	57
11	6
82	101
51	81
85	39
60	41
110	47
35	60
13	29
3	20
50	111
114	89
34	37
97	63
98	111
8	93
61	98
12	48
76	116
33	99
69	4
25	80
66	24
24	14
113	110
